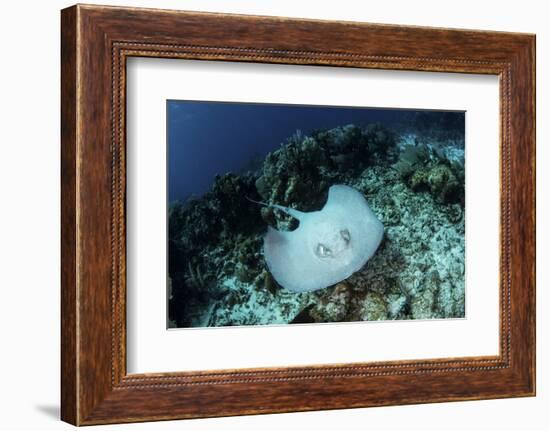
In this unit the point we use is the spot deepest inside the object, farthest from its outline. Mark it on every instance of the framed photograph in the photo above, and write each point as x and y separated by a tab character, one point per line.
263	214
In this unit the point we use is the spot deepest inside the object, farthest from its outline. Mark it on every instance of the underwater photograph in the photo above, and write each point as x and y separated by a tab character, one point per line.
301	214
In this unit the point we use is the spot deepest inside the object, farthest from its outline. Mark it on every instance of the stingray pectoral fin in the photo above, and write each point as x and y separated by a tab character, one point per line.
276	246
279	250
273	240
346	197
350	207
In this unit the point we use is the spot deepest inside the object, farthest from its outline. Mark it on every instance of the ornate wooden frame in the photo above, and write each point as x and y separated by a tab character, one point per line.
95	43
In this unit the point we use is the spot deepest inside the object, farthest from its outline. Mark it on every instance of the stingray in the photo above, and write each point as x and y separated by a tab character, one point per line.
328	246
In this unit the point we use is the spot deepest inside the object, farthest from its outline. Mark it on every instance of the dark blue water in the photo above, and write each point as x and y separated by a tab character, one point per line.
209	138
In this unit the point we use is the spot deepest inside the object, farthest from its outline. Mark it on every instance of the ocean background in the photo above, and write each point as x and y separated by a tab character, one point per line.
408	164
206	139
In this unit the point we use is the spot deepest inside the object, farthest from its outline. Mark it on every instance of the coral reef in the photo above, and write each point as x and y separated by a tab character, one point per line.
299	174
414	185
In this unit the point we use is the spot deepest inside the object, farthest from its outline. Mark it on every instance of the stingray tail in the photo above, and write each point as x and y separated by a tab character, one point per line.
290	211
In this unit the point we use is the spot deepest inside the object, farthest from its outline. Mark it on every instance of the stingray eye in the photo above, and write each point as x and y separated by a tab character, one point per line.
323	251
345	236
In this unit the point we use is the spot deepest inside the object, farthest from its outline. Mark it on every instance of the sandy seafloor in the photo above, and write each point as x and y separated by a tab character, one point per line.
413	182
